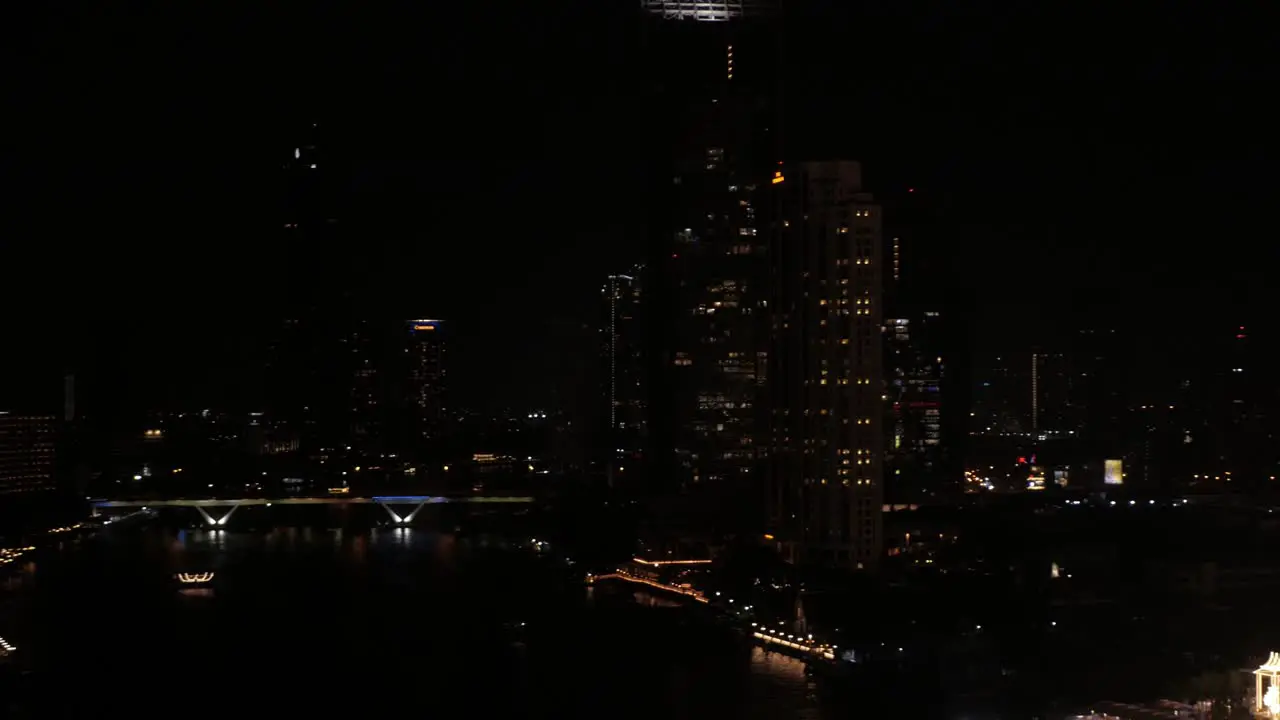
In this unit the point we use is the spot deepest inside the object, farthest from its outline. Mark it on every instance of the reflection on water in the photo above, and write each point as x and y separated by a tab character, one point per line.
653	600
327	617
782	683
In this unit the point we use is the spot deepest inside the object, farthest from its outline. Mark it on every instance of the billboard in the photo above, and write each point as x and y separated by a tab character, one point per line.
1112	472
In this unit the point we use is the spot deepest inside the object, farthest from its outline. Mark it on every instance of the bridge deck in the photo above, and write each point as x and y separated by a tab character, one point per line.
388	500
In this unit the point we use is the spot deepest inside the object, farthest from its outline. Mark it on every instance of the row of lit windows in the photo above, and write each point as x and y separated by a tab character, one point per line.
840	381
843	481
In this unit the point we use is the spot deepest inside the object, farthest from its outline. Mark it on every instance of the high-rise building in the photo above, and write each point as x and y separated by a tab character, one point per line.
1225	424
724	11
825	464
366	363
427	381
712	132
306	366
1001	395
1055	394
311	186
915	372
396	386
26	452
921	438
316	276
624	379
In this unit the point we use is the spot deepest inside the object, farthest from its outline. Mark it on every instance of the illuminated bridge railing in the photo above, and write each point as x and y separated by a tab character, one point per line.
625	576
387	502
805	645
343	500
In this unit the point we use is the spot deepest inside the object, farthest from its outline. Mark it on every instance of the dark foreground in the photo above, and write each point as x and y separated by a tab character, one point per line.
327	623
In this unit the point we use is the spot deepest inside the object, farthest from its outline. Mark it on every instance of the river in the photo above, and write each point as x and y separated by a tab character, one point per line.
342	623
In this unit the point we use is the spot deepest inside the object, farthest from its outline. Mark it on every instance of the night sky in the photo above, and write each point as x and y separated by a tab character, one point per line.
1087	165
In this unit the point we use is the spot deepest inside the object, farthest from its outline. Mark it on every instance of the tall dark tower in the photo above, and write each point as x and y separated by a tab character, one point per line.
307	373
713	71
312	210
310	179
426	391
624	383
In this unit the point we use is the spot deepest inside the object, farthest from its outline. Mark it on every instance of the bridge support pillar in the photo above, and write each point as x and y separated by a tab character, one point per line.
397	518
218	522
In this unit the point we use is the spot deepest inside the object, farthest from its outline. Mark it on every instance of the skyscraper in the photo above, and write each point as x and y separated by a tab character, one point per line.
311	184
713	102
825	463
366	361
306	379
26	452
914	377
708	11
624	379
426	387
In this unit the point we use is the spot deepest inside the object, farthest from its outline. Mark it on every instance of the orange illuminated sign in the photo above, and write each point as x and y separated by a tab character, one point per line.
777	177
424	327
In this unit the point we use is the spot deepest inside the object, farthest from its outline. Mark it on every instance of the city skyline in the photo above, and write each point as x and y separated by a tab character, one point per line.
185	202
738	358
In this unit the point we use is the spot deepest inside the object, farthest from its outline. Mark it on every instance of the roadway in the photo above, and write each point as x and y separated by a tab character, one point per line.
342	500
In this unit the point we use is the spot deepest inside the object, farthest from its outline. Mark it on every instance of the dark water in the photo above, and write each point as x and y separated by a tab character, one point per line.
331	623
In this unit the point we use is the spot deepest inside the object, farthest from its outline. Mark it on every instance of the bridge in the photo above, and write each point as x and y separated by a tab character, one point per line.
225	507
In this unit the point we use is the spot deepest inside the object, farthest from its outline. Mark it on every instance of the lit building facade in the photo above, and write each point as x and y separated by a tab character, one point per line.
826	455
714	71
700	11
26	452
427	374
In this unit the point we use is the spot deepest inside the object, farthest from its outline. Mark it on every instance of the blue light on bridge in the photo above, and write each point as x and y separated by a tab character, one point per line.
408	499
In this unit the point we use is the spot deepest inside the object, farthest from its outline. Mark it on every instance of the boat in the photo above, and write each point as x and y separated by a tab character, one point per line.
671	576
194	579
800	646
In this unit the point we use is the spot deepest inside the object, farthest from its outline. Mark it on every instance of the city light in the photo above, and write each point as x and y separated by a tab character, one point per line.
722	11
1270	671
8	555
625	576
194	578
